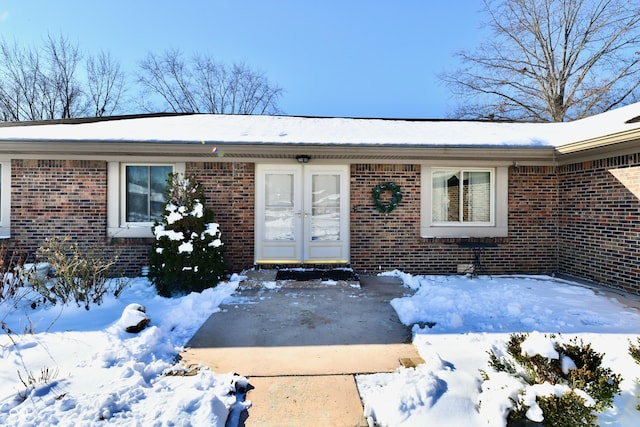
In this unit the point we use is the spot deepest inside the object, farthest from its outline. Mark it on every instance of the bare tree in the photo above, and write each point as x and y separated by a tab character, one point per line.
204	85
38	84
63	88
551	60
106	84
169	77
20	74
47	82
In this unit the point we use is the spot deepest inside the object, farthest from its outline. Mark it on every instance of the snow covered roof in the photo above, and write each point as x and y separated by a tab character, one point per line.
282	130
217	128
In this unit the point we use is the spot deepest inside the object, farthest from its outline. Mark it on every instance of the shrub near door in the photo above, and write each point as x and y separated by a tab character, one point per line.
187	254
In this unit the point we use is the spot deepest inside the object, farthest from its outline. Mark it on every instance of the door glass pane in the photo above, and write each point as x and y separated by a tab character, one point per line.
477	197
446	196
325	207
279	215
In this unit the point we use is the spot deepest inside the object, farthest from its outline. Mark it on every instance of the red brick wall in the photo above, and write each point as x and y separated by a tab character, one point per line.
383	242
229	189
68	198
533	198
58	198
599	237
582	219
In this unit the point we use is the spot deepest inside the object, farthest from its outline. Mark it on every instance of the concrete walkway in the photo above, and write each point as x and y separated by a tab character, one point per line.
301	344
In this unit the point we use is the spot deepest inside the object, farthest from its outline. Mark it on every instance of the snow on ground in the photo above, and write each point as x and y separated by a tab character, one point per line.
458	319
88	371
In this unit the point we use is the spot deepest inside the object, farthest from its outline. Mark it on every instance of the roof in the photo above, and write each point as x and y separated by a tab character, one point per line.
327	131
219	128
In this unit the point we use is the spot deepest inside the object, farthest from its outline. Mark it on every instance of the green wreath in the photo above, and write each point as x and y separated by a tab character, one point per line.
396	197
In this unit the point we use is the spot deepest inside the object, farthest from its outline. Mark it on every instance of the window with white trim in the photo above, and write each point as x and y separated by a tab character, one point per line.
461	196
464	202
144	187
136	196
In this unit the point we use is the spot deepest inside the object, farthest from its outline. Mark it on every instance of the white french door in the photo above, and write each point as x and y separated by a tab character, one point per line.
302	213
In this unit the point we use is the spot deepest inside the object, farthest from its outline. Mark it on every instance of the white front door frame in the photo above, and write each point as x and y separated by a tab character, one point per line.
302	214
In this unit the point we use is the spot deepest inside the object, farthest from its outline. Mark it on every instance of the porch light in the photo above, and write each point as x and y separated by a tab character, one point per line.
303	159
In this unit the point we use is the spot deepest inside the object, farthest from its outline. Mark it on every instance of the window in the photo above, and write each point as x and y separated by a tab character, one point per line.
461	197
464	202
5	199
144	192
136	197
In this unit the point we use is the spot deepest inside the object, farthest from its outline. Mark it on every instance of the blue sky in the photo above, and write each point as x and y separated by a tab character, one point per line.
353	58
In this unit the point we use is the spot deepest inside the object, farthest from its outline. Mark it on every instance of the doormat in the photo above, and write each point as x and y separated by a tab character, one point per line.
308	275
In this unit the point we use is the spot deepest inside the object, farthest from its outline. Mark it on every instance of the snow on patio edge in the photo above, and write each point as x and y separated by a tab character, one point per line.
456	320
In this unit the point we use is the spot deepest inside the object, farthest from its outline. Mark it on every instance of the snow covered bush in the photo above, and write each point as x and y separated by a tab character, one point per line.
80	274
187	253
11	265
634	351
560	384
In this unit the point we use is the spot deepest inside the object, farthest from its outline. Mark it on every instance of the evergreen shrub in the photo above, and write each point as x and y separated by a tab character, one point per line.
187	255
568	389
634	351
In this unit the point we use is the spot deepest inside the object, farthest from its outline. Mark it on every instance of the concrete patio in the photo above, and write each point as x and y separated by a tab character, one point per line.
301	343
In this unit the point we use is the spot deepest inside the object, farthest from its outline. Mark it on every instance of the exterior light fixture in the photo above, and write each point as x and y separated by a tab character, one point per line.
303	159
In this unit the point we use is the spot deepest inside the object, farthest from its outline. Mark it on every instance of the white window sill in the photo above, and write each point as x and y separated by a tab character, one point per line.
464	232
130	232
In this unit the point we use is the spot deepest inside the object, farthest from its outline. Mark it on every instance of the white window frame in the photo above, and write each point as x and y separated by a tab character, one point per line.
5	199
461	222
117	226
499	204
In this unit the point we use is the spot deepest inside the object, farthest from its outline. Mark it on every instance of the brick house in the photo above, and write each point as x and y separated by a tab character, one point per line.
553	198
